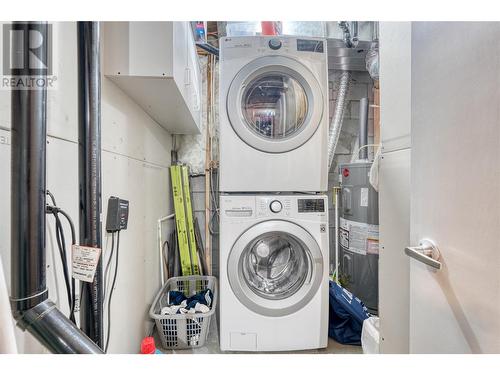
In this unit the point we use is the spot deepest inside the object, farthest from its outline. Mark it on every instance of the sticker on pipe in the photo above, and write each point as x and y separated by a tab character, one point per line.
359	238
84	262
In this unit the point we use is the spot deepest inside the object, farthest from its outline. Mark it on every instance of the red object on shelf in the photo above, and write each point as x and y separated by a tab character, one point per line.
268	28
345	172
148	345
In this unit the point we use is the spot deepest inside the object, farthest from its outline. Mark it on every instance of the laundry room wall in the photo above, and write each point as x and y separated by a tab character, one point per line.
394	186
347	146
135	161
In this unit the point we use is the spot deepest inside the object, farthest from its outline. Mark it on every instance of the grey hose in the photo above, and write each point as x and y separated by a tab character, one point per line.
338	115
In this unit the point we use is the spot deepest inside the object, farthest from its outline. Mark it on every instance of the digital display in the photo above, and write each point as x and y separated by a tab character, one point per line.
311	205
309	45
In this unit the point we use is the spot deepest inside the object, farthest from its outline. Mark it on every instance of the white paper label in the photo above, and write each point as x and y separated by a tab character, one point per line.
84	261
364	197
359	238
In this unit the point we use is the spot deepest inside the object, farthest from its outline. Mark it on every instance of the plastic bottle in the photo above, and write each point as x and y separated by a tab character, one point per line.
148	346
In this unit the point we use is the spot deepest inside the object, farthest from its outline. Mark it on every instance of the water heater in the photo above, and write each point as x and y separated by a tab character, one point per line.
359	233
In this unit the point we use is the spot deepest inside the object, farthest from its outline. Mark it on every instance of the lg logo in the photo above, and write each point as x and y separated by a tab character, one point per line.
27	49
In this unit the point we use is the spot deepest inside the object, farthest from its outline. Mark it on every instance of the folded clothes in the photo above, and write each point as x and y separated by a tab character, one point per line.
178	303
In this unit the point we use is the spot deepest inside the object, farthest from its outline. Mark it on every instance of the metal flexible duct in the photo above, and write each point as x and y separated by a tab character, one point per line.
338	115
349	33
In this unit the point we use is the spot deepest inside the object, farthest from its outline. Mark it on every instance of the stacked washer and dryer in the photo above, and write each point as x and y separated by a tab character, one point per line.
273	211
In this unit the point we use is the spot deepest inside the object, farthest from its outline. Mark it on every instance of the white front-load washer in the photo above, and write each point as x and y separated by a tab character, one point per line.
273	114
273	272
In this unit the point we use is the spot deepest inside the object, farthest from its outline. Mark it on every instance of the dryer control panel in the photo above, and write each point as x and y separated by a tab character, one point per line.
240	46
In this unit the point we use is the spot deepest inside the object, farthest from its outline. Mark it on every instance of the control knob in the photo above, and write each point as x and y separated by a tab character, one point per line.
275	206
275	44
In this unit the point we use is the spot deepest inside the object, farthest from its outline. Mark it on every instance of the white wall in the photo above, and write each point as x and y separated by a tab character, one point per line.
135	160
394	185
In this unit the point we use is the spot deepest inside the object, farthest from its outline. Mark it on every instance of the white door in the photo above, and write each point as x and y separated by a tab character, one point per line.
455	187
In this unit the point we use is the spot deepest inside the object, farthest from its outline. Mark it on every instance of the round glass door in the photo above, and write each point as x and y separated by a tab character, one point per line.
275	104
275	265
275	268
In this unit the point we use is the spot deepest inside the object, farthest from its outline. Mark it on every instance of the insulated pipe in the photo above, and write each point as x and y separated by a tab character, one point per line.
89	163
338	115
29	303
363	128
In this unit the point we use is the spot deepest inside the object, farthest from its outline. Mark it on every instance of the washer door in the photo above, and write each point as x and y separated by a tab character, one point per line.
275	104
275	268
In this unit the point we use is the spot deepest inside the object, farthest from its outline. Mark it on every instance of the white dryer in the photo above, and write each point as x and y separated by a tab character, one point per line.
273	272
273	114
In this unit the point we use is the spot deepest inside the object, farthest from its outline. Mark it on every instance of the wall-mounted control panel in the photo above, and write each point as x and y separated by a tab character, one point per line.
117	217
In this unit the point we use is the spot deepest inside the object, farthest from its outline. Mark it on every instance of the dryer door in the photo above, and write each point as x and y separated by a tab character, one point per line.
275	104
275	268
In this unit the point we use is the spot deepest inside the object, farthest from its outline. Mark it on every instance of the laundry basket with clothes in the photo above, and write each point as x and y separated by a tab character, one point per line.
182	311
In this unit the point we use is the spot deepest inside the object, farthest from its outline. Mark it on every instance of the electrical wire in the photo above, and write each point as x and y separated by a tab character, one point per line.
108	264
111	291
365	146
61	244
73	242
52	198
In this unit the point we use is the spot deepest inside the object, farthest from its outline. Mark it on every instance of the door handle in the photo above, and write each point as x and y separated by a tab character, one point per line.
427	252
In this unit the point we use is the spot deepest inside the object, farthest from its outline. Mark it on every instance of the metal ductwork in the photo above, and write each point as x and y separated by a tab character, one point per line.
89	167
338	115
350	33
363	128
29	296
372	57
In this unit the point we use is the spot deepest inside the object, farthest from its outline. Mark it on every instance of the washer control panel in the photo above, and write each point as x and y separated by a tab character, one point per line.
273	206
241	208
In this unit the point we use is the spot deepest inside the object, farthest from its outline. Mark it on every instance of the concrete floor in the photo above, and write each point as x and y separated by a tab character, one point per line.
212	346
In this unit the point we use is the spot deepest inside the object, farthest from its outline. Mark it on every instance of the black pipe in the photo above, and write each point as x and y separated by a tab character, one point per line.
89	166
56	332
29	296
28	154
208	48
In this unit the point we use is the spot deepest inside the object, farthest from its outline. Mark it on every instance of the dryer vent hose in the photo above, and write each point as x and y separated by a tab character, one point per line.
338	116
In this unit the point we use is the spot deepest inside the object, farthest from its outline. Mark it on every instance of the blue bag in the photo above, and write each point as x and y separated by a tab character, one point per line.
346	316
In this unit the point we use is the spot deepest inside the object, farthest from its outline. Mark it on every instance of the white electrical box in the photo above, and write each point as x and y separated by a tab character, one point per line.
156	64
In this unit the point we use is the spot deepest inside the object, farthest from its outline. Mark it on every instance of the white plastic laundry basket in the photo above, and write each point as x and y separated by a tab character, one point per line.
370	335
182	331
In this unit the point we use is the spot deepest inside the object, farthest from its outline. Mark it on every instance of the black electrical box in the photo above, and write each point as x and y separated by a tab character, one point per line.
117	218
